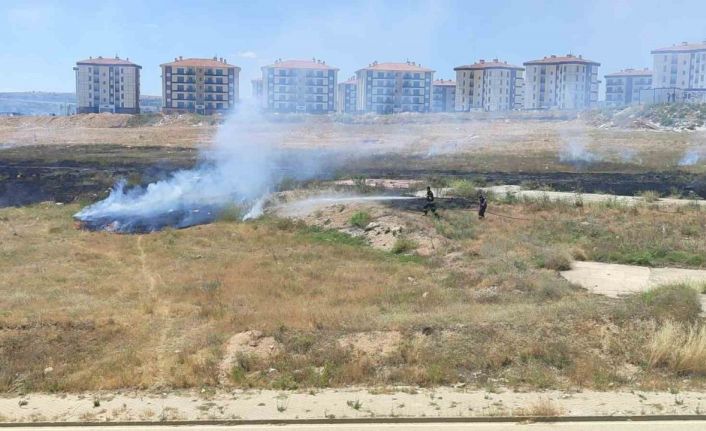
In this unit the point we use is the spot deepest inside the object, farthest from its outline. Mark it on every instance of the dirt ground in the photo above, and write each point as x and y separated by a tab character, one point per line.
343	403
389	225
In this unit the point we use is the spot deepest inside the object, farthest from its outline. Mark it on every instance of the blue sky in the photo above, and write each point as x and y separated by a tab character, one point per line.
41	40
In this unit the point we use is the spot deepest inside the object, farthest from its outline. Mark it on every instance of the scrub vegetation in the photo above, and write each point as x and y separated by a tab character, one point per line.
488	309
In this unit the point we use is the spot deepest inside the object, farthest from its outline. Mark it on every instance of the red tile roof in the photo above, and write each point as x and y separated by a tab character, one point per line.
682	47
397	67
199	62
301	64
631	72
447	82
569	58
101	61
351	80
482	64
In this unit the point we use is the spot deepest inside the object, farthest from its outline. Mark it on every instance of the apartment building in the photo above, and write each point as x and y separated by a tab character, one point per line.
199	85
680	67
387	88
257	88
625	87
107	85
556	82
443	95
299	86
489	86
347	96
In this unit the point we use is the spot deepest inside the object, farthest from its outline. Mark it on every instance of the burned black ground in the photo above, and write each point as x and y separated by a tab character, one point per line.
65	174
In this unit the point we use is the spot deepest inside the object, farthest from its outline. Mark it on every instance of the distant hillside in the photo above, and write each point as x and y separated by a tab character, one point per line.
37	103
45	103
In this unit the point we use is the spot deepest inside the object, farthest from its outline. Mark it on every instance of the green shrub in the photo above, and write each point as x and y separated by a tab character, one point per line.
464	189
556	260
676	302
360	219
403	245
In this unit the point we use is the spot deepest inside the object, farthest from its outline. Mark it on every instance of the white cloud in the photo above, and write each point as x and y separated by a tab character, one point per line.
247	54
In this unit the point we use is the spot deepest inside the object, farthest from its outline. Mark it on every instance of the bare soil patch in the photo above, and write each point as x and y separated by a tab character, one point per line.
615	280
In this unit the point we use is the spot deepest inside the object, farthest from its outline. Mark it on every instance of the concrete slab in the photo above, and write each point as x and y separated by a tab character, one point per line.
614	280
590	197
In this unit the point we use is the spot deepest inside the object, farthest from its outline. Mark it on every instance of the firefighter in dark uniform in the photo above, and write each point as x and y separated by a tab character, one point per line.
430	205
482	205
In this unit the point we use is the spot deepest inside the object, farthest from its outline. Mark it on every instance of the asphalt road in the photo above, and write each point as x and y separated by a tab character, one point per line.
559	426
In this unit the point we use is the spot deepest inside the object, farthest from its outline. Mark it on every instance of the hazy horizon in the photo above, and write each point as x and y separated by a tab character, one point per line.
44	39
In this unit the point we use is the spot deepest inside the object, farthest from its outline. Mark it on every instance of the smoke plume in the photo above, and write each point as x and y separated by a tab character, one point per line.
691	157
238	170
575	151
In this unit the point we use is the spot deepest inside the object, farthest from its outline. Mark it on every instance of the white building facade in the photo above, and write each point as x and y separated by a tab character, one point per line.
307	86
387	88
347	96
107	85
489	86
443	95
199	85
627	86
569	82
679	73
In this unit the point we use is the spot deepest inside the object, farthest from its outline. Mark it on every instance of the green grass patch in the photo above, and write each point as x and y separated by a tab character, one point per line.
331	236
675	302
360	219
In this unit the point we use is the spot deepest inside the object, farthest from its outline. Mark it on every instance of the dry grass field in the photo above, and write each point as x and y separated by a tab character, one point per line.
441	142
286	303
86	310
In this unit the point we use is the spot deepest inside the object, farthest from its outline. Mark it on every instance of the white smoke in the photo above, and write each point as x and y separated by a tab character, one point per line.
575	151
691	157
239	169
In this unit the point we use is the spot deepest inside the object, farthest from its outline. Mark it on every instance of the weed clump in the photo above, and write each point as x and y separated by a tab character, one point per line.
403	245
464	189
649	196
360	219
677	302
679	348
555	260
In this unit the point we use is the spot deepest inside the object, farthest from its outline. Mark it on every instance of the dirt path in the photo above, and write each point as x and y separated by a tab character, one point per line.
149	277
436	425
342	403
162	318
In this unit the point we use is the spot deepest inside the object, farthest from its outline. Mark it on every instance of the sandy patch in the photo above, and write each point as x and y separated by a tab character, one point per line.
386	225
614	280
336	403
250	343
